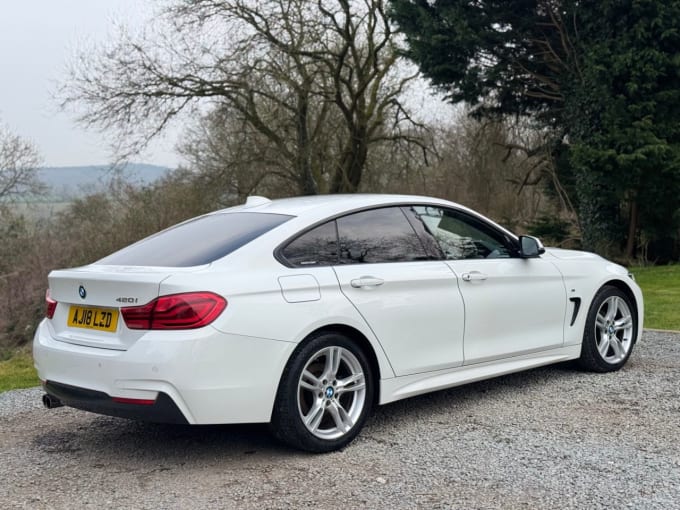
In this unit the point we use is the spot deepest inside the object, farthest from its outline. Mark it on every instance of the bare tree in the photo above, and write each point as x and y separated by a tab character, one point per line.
227	153
19	160
292	70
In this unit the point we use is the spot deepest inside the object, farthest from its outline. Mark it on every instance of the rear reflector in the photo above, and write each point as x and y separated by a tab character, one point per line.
190	310
137	401
50	305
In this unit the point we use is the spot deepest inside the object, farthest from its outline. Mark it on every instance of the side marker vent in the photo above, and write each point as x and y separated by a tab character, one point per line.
577	305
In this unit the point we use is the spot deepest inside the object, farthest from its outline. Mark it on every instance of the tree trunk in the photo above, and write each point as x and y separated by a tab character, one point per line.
308	185
632	229
348	175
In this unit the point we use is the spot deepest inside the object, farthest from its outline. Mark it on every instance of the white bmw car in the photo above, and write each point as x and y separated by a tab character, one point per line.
305	312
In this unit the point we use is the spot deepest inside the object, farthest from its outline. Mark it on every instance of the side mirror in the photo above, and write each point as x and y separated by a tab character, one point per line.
530	247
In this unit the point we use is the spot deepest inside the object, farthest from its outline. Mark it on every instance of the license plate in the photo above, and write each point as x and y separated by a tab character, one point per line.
101	319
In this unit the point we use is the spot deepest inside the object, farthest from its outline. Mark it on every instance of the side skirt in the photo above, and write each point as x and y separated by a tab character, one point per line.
398	388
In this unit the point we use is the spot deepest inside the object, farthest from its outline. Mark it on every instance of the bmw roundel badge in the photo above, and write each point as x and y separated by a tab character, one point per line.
82	292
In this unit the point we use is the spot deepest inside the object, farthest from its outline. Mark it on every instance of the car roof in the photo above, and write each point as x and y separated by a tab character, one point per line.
308	210
329	205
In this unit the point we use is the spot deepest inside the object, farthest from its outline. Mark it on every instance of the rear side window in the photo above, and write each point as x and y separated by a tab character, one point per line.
196	242
378	235
318	247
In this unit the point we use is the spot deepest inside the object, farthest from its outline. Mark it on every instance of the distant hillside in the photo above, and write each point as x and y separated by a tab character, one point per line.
69	182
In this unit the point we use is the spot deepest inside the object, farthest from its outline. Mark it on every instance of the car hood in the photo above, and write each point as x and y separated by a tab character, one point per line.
559	253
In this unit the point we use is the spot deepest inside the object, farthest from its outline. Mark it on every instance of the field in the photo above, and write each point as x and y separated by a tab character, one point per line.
660	286
17	371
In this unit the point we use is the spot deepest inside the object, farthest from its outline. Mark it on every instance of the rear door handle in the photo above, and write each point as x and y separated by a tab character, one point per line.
474	276
366	281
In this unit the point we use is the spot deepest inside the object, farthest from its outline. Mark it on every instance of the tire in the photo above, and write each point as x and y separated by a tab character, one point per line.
610	332
325	394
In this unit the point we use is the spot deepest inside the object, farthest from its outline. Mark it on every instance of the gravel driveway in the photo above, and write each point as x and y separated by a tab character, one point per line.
549	438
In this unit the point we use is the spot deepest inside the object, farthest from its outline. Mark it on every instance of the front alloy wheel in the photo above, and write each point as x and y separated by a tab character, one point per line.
611	331
325	394
614	330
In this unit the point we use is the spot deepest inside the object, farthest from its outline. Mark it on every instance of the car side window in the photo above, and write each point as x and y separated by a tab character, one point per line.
317	247
462	236
378	235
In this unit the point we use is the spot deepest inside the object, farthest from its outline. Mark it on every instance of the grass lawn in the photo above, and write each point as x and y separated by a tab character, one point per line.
660	286
17	371
661	289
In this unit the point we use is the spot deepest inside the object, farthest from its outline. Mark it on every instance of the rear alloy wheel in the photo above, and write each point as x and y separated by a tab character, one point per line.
611	331
325	394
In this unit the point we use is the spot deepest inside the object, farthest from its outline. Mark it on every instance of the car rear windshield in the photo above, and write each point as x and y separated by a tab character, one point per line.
196	242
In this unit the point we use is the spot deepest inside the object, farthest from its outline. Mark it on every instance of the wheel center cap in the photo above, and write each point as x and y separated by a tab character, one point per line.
611	330
330	392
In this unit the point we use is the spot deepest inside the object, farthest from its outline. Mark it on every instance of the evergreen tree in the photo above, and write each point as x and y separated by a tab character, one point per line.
603	78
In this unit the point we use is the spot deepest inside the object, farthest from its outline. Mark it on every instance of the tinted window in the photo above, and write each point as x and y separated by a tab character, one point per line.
318	247
429	242
379	235
461	236
198	241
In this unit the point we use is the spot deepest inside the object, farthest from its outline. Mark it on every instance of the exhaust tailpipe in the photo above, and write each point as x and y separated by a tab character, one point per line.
51	402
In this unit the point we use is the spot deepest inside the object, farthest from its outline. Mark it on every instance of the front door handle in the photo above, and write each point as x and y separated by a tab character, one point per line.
474	276
366	281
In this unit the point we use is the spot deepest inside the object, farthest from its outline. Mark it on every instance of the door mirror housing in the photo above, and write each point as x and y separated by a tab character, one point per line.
530	247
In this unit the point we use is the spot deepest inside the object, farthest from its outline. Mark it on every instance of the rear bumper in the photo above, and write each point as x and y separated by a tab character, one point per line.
163	410
208	376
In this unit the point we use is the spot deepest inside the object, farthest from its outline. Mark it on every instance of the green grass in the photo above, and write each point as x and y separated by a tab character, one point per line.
17	371
661	289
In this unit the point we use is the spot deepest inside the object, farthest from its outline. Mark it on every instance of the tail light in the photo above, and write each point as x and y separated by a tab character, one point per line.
50	305
190	310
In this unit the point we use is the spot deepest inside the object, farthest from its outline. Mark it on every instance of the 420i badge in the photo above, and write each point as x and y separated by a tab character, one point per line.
127	300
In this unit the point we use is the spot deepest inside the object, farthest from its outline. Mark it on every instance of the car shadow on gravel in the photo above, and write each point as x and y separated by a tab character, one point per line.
108	439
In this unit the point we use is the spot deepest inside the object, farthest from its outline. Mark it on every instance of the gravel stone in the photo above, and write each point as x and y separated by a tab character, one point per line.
549	438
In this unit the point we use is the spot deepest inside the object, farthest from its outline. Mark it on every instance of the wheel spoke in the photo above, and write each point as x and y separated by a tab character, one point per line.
612	308
623	323
617	346
340	417
315	415
601	322
354	382
309	381
333	357
603	346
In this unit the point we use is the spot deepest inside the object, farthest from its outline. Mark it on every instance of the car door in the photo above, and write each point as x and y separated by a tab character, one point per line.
411	302
513	306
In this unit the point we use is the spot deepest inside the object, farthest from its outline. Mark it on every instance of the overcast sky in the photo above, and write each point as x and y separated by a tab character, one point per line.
37	38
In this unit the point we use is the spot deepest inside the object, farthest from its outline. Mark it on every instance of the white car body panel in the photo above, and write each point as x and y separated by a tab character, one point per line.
584	274
518	307
212	378
409	386
427	328
417	314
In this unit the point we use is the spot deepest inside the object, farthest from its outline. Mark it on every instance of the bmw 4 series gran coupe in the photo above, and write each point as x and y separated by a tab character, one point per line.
306	312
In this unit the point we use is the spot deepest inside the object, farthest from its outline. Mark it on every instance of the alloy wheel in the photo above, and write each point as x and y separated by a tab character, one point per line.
331	392
614	329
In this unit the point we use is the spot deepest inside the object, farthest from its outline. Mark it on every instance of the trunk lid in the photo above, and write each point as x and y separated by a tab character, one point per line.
89	301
